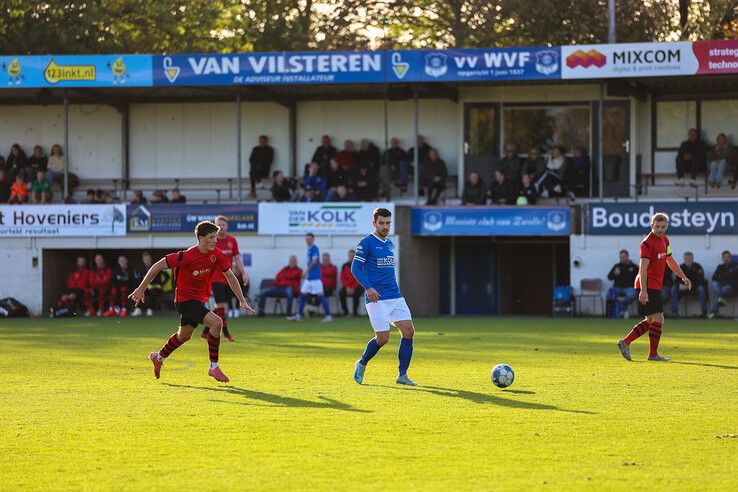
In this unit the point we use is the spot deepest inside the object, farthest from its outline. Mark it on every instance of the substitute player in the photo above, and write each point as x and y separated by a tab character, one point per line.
374	268
311	281
193	270
221	291
655	255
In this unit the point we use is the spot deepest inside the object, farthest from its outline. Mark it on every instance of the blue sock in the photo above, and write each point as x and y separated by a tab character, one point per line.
405	353
301	306
324	303
371	350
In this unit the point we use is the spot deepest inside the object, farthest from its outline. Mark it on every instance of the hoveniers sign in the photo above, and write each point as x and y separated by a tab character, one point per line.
605	219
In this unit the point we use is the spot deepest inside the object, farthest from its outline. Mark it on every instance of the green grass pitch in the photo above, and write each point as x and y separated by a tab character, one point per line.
80	409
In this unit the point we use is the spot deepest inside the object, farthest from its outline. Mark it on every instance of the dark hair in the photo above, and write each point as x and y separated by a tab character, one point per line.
264	137
726	252
276	173
624	251
310	234
381	212
204	228
90	191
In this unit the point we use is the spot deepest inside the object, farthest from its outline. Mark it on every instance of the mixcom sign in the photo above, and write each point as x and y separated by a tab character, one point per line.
607	219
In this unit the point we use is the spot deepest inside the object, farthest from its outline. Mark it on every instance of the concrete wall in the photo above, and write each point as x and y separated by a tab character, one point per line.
419	268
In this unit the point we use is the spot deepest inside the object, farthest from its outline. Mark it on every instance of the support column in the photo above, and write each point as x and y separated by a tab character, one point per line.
66	146
238	145
416	173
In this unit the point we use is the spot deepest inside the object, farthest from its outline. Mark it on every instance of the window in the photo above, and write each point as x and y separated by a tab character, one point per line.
720	116
547	126
673	121
482	133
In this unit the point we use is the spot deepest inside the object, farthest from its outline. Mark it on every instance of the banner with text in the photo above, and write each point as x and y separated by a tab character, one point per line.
319	218
605	219
491	221
180	217
76	71
62	220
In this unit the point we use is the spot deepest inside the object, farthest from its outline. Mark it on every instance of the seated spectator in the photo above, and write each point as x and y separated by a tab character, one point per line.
314	186
328	275
724	282
348	157
399	166
511	164
154	290
37	162
366	186
423	152
16	163
336	175
623	275
534	165
324	153
160	196
551	182
667	282
138	198
502	192
76	296
19	190
177	197
475	193
340	194
718	158
733	166
577	173
286	285
107	197
350	287
696	275
124	279
261	159
90	199
4	187
528	194
434	175
55	170
41	189
281	189
690	158
369	156
70	200
100	280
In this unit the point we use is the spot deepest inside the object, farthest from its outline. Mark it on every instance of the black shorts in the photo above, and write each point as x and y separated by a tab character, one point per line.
191	313
654	304
222	293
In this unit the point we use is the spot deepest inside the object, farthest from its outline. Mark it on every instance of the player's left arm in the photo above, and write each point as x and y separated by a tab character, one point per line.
242	268
674	265
235	286
137	295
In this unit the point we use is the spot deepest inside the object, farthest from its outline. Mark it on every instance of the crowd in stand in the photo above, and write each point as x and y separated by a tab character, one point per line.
696	156
26	179
724	284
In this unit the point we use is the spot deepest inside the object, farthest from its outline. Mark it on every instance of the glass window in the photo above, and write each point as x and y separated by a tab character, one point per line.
481	130
547	126
673	121
720	116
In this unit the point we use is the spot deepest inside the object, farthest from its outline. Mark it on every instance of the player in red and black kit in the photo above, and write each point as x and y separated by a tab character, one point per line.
655	255
77	286
193	271
100	279
221	291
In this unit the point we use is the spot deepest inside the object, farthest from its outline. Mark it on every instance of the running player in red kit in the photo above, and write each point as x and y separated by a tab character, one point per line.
221	292
655	255
193	270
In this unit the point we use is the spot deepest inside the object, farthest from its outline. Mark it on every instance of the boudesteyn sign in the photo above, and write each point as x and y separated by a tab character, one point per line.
319	218
62	220
491	221
684	217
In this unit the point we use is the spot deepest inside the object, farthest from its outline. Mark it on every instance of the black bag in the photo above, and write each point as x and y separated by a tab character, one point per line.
12	308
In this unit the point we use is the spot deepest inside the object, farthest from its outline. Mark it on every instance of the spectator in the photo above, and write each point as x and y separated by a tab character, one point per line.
340	194
286	285
434	175
577	173
100	279
399	166
19	190
55	169
41	189
16	163
154	289
667	282
551	182
502	192
106	197
336	175
177	197
369	156
348	157
261	159
511	164
696	275
423	152
528	193
623	275
90	199
314	185
281	189
690	158
534	165
724	282
77	290
324	153
4	186
328	275
734	168
123	280
719	157
139	198
475	193
349	287
366	186
160	196
37	162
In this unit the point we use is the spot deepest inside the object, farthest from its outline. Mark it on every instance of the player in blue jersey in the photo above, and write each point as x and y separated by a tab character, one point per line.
311	283
374	269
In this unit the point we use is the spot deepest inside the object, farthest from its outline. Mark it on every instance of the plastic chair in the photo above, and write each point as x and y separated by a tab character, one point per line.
591	288
268	283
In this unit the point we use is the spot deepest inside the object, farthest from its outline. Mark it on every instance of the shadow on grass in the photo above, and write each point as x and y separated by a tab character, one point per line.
483	398
272	399
704	364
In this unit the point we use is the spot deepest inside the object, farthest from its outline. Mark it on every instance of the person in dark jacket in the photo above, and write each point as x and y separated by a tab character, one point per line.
399	165
528	194
577	173
281	189
262	157
623	275
369	156
324	153
475	193
434	176
724	282
511	164
37	162
367	186
691	158
4	187
534	165
696	274
16	163
502	192
336	175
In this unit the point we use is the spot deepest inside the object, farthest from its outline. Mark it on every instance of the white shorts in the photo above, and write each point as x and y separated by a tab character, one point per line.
314	287
383	313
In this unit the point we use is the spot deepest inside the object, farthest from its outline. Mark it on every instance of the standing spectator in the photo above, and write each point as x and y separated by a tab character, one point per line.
690	158
528	193
366	186
328	275
37	162
340	194
349	287
77	288
348	157
369	156
551	181
511	164
718	158
502	192
577	173
100	279
19	191
55	169
154	289
281	189
399	166
123	279
534	165
623	275
16	163
286	285
475	193
41	189
336	175
90	197
423	152
139	198
4	186
177	197
696	275
434	176
324	153
262	157
724	282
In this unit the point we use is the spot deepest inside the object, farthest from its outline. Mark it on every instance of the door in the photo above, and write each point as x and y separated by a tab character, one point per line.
476	277
616	148
481	135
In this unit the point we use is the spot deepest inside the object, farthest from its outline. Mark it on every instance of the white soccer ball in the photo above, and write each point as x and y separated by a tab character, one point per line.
502	375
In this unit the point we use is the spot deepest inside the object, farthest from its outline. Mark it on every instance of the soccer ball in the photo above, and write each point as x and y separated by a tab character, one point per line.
502	375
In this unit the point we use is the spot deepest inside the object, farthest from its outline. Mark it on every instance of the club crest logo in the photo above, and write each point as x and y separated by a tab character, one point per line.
547	62
436	64
171	71
399	67
212	258
556	221
432	222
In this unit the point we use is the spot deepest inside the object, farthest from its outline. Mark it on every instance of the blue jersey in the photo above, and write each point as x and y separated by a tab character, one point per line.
313	253
374	267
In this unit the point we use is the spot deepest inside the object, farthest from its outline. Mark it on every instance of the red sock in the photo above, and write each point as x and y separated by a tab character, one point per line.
170	346
637	331
213	346
654	335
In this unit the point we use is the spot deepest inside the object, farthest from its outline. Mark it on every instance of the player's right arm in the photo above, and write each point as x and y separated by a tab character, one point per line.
643	278
137	295
359	271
